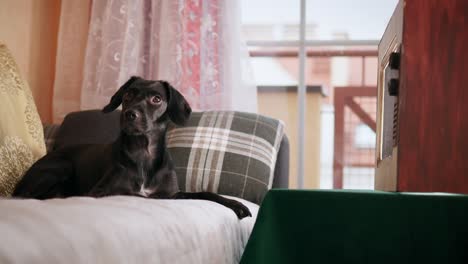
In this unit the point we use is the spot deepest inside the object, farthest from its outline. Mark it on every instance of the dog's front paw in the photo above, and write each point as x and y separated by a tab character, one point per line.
239	209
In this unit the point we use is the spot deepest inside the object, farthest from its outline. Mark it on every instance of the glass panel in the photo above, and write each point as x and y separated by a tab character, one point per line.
341	83
274	66
276	71
358	178
270	19
345	19
364	137
352	72
371	71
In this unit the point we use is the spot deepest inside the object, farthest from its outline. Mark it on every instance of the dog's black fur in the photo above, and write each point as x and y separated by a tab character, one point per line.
137	163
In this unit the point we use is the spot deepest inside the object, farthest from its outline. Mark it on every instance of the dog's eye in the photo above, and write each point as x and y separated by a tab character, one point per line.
156	99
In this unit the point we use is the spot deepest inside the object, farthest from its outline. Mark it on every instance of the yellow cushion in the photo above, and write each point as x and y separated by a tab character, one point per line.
21	134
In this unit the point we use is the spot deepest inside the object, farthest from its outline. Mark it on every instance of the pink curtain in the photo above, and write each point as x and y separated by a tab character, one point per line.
194	44
71	46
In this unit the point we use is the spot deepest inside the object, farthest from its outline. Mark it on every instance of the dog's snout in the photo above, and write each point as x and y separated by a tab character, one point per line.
131	115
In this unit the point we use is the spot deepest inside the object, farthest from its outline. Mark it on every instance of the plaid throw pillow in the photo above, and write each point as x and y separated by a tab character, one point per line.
231	153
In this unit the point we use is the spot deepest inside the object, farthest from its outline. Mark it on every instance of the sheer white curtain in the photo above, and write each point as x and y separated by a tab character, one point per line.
194	44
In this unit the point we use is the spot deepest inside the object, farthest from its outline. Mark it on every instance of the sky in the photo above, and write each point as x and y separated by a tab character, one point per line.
361	19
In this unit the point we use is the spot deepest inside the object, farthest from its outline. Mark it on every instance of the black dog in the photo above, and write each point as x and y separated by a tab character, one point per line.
137	163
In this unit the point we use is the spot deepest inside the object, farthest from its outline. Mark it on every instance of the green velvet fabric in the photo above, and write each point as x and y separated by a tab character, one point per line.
340	226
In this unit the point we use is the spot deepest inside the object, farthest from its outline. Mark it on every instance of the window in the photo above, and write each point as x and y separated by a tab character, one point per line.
364	137
340	78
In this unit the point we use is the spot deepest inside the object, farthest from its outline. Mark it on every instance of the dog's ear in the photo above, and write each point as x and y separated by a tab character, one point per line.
178	108
116	99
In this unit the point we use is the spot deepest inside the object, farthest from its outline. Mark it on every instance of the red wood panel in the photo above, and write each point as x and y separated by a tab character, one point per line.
433	149
338	156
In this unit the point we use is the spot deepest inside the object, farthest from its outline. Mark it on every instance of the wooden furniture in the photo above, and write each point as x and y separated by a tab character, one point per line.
422	115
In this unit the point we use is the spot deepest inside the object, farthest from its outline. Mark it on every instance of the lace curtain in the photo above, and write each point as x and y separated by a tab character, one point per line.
194	44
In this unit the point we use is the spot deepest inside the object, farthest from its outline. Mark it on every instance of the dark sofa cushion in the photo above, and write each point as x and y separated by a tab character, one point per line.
50	135
88	127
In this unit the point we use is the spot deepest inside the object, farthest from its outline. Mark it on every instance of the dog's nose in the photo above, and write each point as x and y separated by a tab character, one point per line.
131	115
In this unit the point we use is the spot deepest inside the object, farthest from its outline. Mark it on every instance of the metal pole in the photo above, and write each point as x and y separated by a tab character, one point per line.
313	43
301	98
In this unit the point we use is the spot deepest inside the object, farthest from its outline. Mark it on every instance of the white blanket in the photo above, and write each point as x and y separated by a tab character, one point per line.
121	229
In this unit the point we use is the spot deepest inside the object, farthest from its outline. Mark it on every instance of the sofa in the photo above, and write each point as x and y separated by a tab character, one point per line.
124	229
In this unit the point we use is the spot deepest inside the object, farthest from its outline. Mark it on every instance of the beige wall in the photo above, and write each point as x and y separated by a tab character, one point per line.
283	106
29	29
